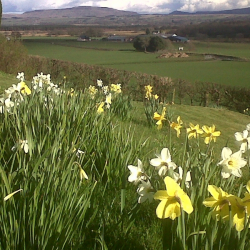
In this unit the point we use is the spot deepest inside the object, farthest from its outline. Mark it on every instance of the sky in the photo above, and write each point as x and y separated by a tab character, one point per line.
139	6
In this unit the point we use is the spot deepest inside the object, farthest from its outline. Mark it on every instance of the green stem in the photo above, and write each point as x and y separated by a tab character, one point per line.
183	229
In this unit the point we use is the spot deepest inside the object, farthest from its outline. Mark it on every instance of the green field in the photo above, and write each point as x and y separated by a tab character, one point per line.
123	56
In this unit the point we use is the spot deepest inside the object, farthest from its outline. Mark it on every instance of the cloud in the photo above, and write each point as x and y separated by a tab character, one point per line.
140	6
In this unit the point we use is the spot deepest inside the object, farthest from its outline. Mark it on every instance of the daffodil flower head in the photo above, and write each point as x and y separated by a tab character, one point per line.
243	139
173	199
100	108
194	131
24	89
145	190
163	162
99	83
148	90
24	145
177	126
136	173
210	133
220	202
160	118
231	163
179	176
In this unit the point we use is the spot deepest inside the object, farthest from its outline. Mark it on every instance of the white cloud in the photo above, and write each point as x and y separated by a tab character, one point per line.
140	6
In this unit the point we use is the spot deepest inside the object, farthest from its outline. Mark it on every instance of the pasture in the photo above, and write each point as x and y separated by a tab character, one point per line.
123	56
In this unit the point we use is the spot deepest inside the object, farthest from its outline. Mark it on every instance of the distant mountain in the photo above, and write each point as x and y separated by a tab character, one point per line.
242	11
77	12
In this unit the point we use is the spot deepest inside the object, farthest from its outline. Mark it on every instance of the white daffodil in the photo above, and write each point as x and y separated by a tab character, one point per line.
136	173
108	100
244	139
24	145
163	162
20	76
248	127
145	190
179	176
231	163
99	83
105	90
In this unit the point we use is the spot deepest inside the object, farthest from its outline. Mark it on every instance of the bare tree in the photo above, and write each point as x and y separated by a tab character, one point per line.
1	11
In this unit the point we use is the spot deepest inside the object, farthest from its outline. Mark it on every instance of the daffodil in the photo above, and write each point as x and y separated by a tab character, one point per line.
156	97
92	91
24	145
194	131
145	190
244	139
99	83
220	202
136	173
83	174
246	199
10	195
108	100
173	199
148	90
163	162
177	126
179	176
100	108
160	118
210	133
231	163
24	89
116	88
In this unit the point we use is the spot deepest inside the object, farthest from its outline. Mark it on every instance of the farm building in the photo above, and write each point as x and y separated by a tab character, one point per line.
178	39
117	38
83	38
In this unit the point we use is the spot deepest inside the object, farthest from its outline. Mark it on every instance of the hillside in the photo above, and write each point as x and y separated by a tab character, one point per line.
243	11
77	12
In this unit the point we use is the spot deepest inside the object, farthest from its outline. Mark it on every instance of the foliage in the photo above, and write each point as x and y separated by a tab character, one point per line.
149	43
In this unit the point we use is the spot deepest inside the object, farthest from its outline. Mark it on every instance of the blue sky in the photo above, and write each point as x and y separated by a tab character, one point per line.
140	6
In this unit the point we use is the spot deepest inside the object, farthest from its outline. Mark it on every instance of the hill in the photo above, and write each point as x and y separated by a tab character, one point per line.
243	11
76	12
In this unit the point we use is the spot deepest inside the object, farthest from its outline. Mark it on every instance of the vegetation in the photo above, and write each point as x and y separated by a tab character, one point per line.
71	170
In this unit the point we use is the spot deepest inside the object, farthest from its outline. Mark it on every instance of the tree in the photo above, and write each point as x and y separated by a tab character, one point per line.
141	43
149	43
156	43
147	31
1	11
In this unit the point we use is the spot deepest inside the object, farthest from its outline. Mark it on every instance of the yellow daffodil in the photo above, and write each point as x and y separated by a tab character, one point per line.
24	89
92	91
172	200
156	97
194	131
177	126
220	202
160	118
210	133
100	108
148	90
116	88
